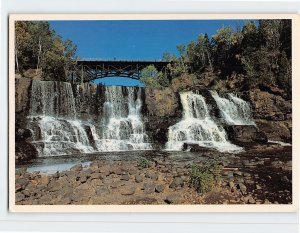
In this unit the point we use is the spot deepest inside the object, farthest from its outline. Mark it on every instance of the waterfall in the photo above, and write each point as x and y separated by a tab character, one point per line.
197	127
52	120
234	110
50	98
122	124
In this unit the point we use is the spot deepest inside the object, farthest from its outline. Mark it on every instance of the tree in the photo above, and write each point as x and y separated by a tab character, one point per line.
41	40
169	57
21	41
200	54
152	78
69	57
39	47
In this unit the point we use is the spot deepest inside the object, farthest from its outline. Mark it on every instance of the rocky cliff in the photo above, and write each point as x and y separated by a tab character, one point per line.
272	113
161	108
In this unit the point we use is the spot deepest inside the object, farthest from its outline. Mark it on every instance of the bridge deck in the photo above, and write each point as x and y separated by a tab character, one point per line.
95	69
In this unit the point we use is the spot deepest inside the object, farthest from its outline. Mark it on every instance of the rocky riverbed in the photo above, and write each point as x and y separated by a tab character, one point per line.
262	175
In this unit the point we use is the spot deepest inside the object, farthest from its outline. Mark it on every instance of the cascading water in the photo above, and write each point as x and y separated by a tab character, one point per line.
234	110
57	131
52	120
123	128
197	127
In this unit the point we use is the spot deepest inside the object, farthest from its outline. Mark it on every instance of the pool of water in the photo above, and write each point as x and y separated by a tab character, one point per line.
52	164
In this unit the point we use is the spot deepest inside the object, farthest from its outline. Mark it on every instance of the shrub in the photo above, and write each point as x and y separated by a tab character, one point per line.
205	177
144	163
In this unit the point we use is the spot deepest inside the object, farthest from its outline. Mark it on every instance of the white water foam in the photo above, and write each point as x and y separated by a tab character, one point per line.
197	127
234	110
280	143
123	128
52	120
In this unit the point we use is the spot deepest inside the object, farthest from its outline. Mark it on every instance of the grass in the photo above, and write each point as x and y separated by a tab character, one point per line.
144	163
204	178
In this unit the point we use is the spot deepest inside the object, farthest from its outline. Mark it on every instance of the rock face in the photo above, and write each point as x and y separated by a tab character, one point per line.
245	133
89	100
184	82
22	94
22	134
276	130
272	113
162	103
269	106
25	151
163	110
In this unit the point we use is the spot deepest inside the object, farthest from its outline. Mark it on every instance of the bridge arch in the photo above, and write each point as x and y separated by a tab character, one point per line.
90	70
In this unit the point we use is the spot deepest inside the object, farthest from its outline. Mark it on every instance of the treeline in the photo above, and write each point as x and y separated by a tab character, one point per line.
40	49
259	54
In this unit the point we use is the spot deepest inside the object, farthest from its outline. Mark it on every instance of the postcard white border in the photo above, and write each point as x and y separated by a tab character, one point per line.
156	208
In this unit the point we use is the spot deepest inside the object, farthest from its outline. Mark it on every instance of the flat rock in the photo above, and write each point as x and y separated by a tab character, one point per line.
243	188
76	168
127	190
102	190
138	178
149	188
258	187
151	175
117	184
22	182
159	188
174	199
95	176
125	177
231	185
44	180
177	183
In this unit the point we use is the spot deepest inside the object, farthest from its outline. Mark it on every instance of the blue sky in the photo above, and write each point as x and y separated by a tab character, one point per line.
134	39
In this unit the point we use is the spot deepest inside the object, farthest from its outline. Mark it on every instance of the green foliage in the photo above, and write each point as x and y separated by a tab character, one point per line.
260	51
169	57
143	163
200	54
154	79
39	47
205	177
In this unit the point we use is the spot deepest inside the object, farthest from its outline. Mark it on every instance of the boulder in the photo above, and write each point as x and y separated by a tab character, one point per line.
128	190
245	134
174	199
149	188
25	151
177	183
22	134
159	188
138	179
